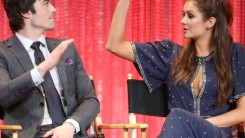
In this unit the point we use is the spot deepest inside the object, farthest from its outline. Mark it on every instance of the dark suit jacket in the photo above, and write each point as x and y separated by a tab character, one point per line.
23	102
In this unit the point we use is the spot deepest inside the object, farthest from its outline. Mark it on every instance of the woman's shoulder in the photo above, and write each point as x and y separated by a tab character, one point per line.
238	52
237	49
168	45
237	46
167	42
164	46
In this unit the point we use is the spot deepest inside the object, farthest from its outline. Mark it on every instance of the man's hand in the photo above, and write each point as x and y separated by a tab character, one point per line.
54	57
66	130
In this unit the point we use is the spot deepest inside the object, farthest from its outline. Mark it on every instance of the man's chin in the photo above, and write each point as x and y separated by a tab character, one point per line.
50	28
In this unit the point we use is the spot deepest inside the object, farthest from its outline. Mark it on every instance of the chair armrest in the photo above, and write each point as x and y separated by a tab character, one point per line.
10	127
122	126
13	128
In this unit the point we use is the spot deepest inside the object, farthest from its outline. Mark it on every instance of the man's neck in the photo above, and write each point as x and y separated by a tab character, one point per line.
30	34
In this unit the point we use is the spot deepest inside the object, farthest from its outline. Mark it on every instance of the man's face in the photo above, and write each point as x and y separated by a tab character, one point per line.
43	19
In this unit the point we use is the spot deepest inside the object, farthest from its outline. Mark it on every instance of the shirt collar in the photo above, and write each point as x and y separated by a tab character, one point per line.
26	42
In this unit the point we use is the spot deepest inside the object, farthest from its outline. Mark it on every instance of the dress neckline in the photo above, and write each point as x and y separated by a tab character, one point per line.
205	58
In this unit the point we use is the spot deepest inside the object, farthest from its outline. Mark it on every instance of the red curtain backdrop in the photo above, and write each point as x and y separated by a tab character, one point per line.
88	22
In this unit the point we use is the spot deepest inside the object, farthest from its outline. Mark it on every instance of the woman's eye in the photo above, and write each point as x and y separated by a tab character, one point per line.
191	16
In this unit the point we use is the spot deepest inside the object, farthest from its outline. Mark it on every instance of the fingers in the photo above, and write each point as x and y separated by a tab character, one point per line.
61	48
54	57
64	131
64	44
68	41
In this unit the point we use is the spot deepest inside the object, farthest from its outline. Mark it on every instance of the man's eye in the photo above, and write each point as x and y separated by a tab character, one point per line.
46	2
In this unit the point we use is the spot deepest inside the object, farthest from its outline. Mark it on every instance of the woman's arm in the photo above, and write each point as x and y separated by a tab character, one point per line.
116	42
232	117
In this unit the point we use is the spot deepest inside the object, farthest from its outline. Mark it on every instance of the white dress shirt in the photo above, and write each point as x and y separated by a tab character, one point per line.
38	79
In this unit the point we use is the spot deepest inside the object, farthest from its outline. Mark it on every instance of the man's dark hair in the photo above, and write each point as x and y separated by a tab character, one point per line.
14	10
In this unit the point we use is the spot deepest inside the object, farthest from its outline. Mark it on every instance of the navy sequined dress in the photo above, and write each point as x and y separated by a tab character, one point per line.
188	111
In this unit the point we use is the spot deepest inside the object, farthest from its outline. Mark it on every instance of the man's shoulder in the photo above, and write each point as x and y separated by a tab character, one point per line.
7	39
58	40
8	42
54	41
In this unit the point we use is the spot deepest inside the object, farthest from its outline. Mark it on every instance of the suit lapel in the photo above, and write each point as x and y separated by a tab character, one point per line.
61	65
20	52
16	47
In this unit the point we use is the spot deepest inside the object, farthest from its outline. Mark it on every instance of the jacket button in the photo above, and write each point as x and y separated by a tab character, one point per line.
41	103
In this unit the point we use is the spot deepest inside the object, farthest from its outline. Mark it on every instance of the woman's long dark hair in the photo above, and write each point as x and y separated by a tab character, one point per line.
221	43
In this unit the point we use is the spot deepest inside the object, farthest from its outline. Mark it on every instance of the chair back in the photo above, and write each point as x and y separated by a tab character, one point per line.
1	113
141	101
93	130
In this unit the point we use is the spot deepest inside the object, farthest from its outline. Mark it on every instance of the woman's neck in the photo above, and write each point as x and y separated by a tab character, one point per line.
203	48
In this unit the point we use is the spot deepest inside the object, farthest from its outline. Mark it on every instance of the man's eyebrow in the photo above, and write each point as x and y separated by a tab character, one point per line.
45	0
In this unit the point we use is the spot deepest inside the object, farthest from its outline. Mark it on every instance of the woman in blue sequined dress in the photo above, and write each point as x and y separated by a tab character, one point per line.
204	78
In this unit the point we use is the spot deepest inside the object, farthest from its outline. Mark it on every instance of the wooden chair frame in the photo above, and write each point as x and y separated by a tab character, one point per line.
129	129
14	128
125	127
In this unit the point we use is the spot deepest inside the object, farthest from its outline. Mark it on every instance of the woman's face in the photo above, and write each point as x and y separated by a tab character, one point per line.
193	22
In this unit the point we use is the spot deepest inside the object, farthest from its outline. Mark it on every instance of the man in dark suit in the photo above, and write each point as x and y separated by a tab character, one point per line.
24	91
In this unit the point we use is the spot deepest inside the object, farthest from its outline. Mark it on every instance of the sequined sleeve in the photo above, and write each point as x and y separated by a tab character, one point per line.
153	61
238	64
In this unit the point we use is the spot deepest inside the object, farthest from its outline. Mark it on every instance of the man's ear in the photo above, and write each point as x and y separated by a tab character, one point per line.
26	15
210	23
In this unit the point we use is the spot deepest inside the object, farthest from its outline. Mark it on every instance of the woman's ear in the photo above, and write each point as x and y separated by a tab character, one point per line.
210	23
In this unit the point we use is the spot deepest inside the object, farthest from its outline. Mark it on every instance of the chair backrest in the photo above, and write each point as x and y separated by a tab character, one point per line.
141	101
1	113
93	131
